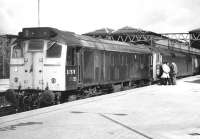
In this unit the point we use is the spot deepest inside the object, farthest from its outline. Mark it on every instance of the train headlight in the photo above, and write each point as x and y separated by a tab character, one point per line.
53	80
16	69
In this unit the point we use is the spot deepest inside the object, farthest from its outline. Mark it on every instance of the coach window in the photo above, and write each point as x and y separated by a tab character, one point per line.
126	60
54	50
121	59
112	60
157	58
18	50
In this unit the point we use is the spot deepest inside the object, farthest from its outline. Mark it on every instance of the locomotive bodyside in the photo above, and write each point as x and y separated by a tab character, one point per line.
101	62
109	67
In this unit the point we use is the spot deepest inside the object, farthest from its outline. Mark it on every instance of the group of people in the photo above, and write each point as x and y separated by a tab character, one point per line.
168	73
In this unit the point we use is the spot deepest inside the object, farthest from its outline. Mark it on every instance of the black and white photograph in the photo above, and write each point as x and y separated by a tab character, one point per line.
99	69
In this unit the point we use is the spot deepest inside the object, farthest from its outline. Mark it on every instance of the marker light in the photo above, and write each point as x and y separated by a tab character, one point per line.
53	80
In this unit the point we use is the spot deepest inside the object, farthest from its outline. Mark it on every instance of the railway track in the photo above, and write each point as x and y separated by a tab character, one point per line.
7	110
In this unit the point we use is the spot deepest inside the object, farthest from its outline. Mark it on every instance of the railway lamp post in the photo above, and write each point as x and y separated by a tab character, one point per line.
38	13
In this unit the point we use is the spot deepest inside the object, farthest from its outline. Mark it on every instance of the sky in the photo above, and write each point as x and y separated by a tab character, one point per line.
82	16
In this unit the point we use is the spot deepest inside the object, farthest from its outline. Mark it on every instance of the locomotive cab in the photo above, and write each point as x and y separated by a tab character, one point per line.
38	62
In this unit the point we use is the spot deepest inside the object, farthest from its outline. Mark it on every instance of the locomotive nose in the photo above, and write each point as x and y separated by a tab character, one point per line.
27	61
34	64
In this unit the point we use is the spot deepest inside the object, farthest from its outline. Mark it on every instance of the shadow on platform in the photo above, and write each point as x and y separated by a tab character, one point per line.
13	127
195	81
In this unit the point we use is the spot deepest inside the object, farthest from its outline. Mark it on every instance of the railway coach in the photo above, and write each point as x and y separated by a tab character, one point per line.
73	65
164	49
187	59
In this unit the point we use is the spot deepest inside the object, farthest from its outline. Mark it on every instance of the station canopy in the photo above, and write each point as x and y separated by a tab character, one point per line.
136	35
125	34
195	38
151	39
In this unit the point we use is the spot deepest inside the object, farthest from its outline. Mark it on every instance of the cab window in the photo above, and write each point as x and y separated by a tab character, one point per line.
36	45
18	50
54	50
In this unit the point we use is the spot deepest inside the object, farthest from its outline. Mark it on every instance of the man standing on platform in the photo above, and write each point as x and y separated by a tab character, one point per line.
173	73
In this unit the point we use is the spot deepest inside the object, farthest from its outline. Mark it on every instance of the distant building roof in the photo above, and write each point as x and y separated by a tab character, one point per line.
100	31
127	34
131	31
128	30
122	31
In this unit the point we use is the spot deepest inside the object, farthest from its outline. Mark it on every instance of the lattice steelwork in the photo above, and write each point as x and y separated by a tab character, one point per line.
134	37
180	41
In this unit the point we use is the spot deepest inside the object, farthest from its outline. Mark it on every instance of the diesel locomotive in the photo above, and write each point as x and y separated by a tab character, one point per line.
72	66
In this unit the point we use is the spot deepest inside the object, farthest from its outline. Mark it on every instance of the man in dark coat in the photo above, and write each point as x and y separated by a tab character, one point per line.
173	73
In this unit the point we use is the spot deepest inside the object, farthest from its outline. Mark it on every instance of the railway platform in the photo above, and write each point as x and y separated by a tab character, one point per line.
151	112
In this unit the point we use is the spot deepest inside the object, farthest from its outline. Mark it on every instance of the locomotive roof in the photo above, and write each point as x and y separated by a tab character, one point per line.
103	44
72	39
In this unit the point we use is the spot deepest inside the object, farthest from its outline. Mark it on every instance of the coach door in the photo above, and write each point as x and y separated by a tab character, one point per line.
72	68
34	64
